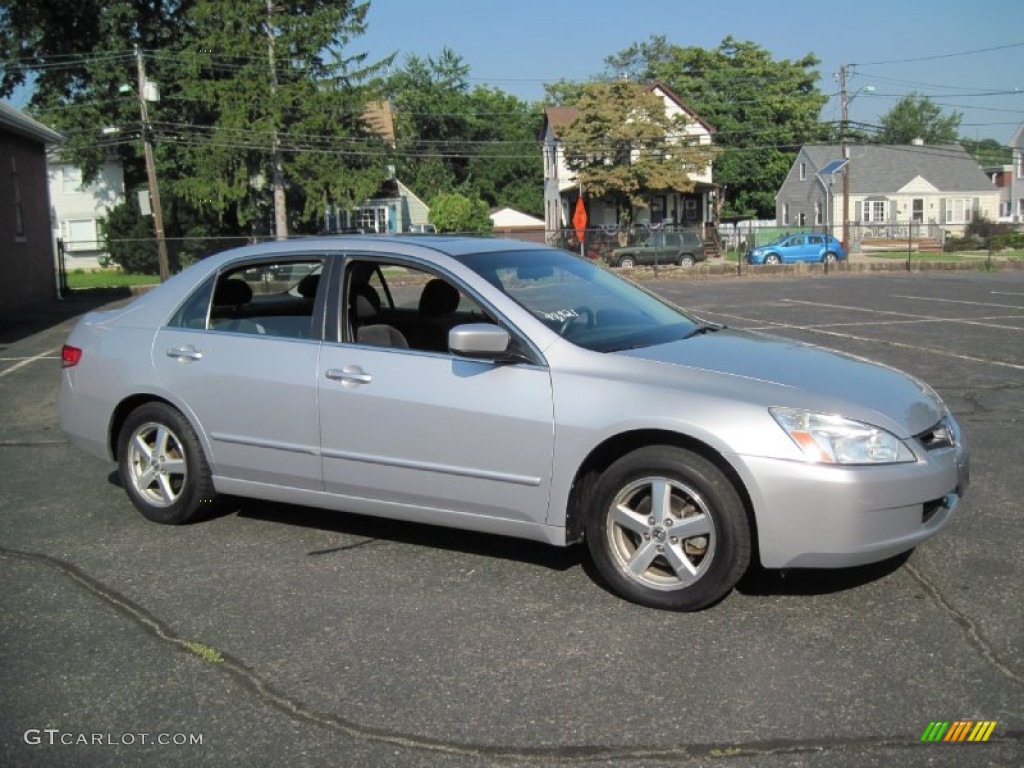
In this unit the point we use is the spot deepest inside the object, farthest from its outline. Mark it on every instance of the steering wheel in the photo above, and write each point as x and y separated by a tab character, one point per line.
583	313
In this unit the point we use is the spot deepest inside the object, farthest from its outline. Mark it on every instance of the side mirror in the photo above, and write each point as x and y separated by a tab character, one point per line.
480	340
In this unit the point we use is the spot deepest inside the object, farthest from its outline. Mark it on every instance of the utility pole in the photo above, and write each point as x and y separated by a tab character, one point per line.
846	155
277	183
154	191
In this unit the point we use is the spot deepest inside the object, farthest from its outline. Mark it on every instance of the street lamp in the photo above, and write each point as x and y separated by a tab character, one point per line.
147	91
845	101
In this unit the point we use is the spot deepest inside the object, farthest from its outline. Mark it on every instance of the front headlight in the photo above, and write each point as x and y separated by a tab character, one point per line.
828	439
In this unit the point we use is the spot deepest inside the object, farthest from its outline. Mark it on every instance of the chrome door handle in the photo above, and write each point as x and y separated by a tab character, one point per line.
185	353
349	375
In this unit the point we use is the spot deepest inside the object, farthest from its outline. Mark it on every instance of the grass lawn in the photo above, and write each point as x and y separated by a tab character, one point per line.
107	278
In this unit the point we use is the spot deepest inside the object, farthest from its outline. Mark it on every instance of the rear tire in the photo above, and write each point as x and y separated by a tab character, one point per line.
627	262
667	529
686	260
162	466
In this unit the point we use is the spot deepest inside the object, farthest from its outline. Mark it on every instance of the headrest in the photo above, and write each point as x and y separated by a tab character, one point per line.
438	298
232	292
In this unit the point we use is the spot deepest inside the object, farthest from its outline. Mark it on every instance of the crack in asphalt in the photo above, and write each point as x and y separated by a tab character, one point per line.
346	547
296	710
970	629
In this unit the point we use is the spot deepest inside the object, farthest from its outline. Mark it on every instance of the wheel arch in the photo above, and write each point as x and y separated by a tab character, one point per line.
617	446
124	410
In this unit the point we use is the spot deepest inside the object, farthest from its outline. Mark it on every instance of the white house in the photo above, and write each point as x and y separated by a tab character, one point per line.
516	225
1017	176
77	208
905	191
561	186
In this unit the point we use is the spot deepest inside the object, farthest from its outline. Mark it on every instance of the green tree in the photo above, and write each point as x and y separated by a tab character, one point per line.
283	100
77	55
764	109
481	142
917	117
988	151
261	102
454	212
623	146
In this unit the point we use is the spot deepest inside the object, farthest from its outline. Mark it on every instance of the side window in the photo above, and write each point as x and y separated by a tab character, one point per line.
393	305
267	298
194	312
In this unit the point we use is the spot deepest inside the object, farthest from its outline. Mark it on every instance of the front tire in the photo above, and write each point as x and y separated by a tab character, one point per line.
667	529
162	466
627	262
772	258
686	260
829	258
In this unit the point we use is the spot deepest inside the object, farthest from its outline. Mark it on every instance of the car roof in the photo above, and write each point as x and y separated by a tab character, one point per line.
457	246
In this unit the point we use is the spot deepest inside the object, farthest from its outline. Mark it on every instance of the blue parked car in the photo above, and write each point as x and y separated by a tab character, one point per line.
789	249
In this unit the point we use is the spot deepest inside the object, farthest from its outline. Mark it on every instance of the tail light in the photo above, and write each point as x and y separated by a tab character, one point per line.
70	356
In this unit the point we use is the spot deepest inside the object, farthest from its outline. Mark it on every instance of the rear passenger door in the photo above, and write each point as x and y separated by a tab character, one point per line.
815	247
242	352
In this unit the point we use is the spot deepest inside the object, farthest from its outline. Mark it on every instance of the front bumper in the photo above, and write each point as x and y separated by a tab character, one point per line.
824	516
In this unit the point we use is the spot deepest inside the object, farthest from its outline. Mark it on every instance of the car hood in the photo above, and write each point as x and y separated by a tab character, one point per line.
785	372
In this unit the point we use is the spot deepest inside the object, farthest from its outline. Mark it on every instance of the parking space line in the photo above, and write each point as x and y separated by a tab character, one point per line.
958	301
908	314
47	355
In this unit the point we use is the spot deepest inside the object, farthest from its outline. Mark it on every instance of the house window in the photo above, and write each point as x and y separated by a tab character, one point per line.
71	179
372	219
817	214
803	171
875	211
19	216
785	214
802	219
958	210
79	234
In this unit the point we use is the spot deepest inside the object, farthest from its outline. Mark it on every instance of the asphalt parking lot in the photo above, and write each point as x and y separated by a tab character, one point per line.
274	635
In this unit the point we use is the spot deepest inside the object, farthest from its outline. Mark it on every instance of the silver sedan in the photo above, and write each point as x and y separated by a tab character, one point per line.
514	389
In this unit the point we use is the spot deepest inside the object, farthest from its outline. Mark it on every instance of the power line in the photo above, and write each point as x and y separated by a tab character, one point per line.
940	55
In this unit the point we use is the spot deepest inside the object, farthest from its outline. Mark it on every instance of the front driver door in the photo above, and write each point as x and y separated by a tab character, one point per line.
427	436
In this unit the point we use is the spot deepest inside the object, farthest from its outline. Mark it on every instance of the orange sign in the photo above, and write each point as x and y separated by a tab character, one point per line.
579	220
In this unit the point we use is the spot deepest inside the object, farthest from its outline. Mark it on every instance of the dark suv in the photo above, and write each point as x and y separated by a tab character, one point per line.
682	248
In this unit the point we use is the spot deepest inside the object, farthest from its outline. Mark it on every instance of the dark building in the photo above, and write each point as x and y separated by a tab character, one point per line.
26	242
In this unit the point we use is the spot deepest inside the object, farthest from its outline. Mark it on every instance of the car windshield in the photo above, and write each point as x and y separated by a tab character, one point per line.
583	302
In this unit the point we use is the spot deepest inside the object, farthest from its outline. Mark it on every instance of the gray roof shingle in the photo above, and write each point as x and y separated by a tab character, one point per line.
886	169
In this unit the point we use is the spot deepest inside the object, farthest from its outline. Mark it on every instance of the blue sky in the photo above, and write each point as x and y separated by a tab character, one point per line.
517	45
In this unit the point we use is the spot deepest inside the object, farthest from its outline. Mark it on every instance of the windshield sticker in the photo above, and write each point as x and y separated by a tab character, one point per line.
560	315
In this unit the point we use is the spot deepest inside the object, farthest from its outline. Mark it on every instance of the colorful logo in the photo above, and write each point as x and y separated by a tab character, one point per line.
958	730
